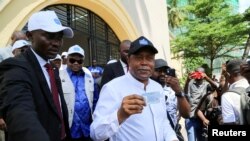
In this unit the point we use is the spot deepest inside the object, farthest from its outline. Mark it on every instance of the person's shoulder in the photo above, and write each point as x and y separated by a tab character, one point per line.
15	65
111	66
87	71
114	64
14	61
230	95
118	80
6	48
6	52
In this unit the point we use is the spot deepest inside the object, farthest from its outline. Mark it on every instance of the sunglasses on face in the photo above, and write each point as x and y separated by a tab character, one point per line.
72	61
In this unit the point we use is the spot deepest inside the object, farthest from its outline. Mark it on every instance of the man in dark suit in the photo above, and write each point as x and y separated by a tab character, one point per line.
33	103
118	68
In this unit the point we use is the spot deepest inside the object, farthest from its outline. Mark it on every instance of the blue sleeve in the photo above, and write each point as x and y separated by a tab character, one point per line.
96	95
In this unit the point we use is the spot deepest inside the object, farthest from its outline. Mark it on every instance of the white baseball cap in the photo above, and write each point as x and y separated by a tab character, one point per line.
65	54
76	49
57	57
49	22
20	44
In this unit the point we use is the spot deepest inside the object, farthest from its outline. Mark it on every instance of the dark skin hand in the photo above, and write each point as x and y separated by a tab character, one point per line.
183	105
132	104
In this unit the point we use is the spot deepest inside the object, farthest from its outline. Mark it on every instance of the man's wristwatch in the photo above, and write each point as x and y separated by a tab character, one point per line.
180	94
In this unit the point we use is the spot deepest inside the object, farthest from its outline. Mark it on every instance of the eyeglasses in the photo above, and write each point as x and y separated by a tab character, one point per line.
72	61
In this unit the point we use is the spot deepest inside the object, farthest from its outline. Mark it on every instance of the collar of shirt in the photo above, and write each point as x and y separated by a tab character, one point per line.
41	61
135	82
124	66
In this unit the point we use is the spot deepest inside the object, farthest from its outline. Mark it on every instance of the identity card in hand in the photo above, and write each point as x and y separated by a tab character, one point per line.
151	97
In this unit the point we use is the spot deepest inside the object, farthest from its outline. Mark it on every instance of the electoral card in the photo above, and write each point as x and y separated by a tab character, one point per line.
152	97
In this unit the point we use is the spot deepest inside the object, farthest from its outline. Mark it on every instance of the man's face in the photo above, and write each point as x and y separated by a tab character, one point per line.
20	50
57	63
160	74
94	63
75	62
46	44
141	64
64	59
124	47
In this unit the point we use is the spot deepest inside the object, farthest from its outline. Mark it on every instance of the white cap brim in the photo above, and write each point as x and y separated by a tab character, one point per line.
67	31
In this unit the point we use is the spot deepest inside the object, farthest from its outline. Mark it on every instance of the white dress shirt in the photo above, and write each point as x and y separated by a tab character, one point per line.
42	62
230	103
150	125
124	66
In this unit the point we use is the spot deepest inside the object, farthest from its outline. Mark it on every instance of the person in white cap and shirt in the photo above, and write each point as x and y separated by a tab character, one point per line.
78	88
6	52
34	107
64	60
57	61
20	46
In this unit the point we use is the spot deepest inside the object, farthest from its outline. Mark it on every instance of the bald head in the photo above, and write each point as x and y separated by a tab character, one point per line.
124	47
200	69
18	35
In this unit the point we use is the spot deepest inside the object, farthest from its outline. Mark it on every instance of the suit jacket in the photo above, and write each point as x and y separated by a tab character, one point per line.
112	71
28	106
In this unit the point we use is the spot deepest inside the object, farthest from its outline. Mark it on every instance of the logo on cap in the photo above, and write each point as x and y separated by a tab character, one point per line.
143	42
57	21
76	49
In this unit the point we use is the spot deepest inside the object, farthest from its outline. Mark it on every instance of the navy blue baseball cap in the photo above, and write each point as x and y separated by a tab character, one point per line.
141	43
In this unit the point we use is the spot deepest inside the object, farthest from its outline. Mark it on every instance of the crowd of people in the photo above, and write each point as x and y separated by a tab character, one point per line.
45	96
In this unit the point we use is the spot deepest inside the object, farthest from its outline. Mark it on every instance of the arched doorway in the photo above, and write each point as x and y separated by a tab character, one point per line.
92	33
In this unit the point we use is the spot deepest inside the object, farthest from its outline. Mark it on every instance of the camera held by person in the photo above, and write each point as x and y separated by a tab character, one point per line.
170	72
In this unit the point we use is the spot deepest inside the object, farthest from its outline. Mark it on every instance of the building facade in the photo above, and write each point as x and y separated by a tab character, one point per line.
99	25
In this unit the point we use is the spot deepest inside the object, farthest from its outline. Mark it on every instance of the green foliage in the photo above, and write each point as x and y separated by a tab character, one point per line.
210	31
247	14
192	63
